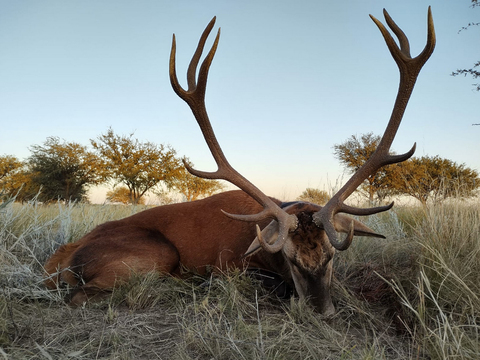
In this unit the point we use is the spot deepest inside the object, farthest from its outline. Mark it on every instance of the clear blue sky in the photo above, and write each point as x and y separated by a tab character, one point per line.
290	80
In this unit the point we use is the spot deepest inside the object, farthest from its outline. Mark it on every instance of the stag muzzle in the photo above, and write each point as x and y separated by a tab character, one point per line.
315	288
322	302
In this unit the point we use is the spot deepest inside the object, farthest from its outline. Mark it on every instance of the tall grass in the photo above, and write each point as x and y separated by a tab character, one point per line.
30	233
415	295
447	307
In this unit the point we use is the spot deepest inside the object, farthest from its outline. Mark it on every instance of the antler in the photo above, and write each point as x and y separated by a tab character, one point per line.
195	98
409	69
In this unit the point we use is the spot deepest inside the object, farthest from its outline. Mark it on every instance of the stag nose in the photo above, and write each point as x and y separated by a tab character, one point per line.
324	306
328	309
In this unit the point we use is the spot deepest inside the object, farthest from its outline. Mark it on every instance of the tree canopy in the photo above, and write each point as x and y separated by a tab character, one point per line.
122	195
431	177
60	170
63	170
15	179
424	178
8	165
353	153
315	196
140	166
193	187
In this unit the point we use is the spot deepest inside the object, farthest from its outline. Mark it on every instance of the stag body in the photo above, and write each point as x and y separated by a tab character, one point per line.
194	235
297	240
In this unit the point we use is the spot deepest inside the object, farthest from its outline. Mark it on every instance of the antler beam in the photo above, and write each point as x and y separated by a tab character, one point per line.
409	69
195	98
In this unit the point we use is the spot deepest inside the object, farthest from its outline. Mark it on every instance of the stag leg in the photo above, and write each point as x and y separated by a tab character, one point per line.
135	251
82	294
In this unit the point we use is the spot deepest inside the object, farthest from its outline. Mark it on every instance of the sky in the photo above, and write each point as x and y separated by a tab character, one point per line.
290	80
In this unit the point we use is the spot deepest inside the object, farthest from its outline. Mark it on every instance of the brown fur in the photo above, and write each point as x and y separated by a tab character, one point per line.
194	235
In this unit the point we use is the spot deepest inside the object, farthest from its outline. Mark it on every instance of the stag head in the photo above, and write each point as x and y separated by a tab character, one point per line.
302	239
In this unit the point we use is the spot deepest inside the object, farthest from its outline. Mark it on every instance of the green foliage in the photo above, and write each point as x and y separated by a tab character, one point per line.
16	179
193	187
435	178
353	153
122	195
140	166
315	196
62	170
8	165
422	178
59	170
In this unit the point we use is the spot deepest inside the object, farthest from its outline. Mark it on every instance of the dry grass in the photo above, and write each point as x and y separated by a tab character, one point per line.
415	295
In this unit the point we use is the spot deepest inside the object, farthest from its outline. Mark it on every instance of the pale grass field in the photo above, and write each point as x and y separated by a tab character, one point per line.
415	295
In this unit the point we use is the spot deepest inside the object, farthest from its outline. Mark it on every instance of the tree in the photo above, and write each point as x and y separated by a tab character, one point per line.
137	165
15	179
315	196
422	178
193	187
435	178
62	170
353	153
8	165
122	195
474	70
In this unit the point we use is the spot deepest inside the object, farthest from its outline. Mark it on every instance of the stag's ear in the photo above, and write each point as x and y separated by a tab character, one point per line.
269	234
342	224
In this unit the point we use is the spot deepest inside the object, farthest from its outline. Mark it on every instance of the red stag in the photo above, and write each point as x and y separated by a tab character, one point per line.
296	240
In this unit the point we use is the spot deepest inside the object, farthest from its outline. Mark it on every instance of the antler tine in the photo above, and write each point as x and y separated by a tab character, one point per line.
402	38
409	69
192	68
193	87
195	98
